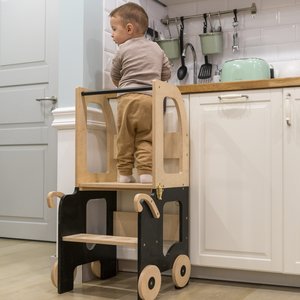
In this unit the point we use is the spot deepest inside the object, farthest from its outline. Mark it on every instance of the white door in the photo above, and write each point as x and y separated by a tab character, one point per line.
236	180
28	71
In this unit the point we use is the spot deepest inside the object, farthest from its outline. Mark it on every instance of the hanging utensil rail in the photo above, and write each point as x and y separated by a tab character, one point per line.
159	2
252	9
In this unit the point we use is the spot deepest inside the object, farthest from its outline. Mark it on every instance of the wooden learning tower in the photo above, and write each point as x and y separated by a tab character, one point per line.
147	227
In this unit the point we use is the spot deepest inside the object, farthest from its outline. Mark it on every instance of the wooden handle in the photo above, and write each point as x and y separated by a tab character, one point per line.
150	202
51	196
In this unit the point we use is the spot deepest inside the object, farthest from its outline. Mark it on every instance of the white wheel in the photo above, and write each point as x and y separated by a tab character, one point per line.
181	271
54	275
96	268
149	282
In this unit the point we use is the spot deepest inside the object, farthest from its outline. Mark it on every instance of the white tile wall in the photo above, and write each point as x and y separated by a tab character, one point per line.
276	3
272	34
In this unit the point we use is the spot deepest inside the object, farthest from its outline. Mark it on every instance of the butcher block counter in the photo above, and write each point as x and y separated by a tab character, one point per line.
240	85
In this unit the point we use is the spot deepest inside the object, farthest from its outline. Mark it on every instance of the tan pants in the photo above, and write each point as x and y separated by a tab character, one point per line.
134	140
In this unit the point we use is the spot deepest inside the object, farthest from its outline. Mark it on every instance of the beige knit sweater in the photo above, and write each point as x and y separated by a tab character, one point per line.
137	62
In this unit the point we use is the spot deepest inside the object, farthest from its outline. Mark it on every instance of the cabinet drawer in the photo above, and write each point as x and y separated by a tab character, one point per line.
233	97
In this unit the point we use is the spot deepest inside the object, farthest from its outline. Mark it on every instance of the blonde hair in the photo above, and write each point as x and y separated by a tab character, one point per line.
132	13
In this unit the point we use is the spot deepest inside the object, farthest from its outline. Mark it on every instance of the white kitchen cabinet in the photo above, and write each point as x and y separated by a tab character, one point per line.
291	177
236	196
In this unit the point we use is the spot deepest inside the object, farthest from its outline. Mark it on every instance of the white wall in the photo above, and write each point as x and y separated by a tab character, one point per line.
273	34
80	47
70	50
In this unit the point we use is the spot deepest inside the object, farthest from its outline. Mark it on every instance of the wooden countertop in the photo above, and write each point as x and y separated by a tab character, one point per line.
240	85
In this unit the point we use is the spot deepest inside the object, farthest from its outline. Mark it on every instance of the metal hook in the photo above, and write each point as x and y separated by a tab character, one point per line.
205	23
235	15
176	24
210	24
182	23
219	18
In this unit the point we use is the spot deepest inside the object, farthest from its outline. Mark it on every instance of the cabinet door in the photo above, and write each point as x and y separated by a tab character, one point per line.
291	98
236	180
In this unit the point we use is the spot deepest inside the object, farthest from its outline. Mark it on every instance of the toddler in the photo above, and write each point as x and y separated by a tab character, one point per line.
137	62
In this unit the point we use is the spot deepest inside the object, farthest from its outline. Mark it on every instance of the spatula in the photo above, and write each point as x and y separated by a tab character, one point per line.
205	69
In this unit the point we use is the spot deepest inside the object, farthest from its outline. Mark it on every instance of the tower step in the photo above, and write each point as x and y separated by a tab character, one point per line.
102	239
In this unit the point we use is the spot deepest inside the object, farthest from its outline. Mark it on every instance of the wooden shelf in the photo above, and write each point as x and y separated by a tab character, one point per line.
102	239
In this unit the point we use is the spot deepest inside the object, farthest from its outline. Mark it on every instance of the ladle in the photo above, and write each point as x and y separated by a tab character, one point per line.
235	37
182	71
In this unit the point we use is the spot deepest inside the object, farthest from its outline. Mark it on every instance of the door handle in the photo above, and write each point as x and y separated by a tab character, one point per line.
53	99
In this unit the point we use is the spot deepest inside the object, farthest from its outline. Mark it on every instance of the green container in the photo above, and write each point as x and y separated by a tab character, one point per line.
171	47
211	42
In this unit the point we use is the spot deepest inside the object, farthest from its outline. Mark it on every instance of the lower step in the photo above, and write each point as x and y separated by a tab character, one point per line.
102	239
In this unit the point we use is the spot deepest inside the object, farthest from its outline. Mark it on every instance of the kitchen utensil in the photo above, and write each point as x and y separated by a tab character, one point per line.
154	37
152	34
220	25
176	24
168	27
245	69
235	37
210	23
182	71
205	69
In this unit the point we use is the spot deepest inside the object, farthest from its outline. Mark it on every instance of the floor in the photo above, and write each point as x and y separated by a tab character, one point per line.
25	275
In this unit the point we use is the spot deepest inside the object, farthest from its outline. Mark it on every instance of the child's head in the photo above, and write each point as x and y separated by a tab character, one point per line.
128	21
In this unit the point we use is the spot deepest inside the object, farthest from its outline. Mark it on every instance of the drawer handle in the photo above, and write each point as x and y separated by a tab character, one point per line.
233	98
288	111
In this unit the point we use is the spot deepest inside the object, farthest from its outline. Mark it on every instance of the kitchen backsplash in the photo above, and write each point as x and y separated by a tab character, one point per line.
272	34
